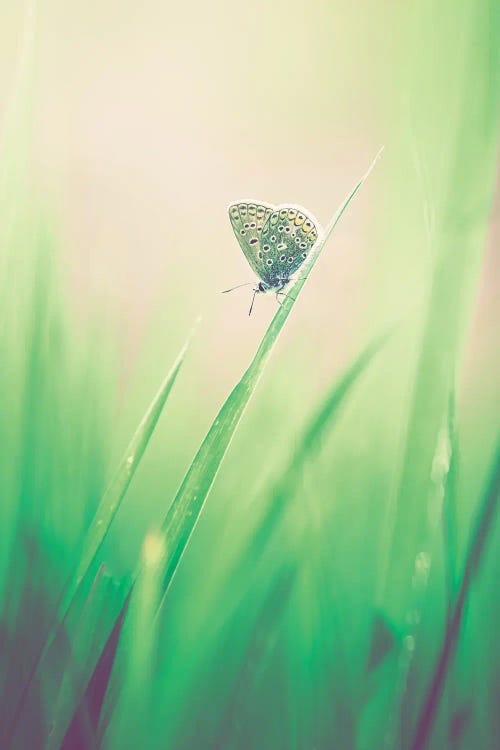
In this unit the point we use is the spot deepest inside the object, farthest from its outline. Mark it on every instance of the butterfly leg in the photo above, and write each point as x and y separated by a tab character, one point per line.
284	294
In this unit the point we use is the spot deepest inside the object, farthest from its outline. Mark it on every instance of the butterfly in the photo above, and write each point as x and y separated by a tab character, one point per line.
276	240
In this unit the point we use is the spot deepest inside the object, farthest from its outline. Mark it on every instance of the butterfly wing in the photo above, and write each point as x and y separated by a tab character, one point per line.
247	219
287	237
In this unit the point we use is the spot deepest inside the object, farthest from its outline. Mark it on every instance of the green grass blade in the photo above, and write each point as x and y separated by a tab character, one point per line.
105	514
318	427
477	546
261	642
321	421
87	716
124	718
83	730
250	632
190	498
116	491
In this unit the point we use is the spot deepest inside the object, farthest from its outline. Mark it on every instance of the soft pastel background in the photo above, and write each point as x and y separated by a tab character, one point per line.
126	130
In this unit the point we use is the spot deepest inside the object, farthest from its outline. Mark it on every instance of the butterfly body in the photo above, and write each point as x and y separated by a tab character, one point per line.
276	240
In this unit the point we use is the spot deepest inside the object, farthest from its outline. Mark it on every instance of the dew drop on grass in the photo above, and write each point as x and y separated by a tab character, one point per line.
421	570
409	643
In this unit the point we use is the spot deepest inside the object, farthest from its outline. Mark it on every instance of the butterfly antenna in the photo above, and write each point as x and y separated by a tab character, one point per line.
253	300
237	287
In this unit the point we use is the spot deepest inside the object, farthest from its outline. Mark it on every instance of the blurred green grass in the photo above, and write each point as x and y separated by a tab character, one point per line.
320	588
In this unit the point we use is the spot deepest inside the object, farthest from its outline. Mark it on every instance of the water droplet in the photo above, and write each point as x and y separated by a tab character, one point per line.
409	643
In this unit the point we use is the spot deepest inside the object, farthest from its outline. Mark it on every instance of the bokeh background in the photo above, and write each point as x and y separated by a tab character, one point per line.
127	129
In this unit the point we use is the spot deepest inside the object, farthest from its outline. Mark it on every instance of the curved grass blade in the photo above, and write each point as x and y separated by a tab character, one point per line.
477	546
261	642
315	431
83	729
321	421
118	487
105	514
277	496
123	717
283	489
190	498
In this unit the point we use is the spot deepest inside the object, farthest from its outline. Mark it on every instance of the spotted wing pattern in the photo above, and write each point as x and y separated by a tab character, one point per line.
247	220
287	238
275	240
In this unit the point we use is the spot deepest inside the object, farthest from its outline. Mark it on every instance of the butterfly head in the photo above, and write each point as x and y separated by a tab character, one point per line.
260	288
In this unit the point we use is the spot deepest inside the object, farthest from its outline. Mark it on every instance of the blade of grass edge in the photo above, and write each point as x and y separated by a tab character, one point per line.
477	545
260	644
119	485
320	422
318	425
105	514
86	717
187	505
122	718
